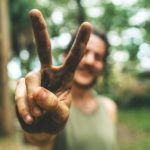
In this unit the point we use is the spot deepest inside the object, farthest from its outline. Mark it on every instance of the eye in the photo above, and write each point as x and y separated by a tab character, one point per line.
98	57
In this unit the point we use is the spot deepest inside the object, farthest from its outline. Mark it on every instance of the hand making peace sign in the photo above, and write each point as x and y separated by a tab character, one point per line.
43	98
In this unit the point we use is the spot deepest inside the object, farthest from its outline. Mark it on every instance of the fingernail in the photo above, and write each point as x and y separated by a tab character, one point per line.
28	119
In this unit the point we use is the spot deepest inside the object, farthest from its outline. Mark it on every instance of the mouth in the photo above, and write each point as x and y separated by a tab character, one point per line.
85	77
87	70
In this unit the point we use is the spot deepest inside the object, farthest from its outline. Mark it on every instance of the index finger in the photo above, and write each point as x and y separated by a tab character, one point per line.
77	51
41	37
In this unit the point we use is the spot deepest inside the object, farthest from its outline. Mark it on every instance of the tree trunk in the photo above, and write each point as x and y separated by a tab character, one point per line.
5	110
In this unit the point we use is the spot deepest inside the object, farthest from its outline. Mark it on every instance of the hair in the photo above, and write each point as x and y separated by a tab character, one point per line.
99	34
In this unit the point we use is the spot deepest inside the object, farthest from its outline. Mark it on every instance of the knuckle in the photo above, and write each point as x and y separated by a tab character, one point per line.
18	98
40	89
30	97
29	76
32	78
20	81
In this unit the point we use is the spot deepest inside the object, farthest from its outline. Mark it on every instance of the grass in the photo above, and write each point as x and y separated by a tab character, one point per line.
133	132
134	129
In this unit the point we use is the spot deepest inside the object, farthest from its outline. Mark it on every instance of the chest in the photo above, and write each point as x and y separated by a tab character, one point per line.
89	132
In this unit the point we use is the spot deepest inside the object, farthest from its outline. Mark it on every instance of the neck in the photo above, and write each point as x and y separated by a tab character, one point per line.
81	93
84	99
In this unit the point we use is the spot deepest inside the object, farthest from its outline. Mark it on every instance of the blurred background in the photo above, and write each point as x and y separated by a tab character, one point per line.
126	79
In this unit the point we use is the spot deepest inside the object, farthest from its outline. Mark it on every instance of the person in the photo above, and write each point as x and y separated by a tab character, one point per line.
43	99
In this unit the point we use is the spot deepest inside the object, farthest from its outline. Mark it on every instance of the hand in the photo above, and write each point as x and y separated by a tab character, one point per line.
43	98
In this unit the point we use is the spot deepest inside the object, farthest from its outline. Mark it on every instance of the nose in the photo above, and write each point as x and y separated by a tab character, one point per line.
89	59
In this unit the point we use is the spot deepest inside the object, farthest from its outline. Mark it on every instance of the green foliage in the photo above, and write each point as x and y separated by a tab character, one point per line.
114	18
136	119
111	17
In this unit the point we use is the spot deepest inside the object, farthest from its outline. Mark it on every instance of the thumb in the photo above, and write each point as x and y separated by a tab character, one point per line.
50	102
45	99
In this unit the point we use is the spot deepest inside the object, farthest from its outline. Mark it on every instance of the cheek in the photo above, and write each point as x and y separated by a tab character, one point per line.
99	66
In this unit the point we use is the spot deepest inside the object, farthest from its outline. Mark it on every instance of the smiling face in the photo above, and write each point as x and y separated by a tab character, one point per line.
92	63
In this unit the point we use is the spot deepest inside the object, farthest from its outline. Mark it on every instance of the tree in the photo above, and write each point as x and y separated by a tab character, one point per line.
5	111
126	23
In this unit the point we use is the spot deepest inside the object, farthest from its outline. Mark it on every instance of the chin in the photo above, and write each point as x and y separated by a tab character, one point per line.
85	85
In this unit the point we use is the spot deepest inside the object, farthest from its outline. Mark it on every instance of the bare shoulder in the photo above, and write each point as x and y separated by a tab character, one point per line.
111	107
109	104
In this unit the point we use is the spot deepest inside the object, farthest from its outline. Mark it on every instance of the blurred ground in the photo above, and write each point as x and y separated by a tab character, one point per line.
134	129
133	133
15	142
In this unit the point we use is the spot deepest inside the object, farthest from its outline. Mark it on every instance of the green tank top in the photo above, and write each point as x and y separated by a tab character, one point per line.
87	132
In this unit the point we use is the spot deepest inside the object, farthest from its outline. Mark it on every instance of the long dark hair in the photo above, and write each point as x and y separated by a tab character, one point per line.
100	34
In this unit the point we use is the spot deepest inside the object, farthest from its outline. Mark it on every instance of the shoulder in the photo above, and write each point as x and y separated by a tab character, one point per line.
109	104
111	107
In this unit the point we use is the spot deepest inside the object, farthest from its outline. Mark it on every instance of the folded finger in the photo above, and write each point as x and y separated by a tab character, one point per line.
59	108
21	102
32	81
45	99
